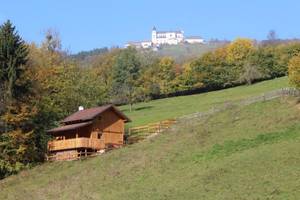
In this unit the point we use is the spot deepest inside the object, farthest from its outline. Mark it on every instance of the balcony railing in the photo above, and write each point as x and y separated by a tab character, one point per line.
76	143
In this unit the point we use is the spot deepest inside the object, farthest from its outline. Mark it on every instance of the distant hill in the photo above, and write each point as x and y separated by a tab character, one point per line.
84	55
180	53
243	152
184	52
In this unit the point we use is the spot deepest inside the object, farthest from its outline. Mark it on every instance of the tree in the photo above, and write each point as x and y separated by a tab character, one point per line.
102	65
148	79
212	70
52	40
237	54
264	60
283	54
188	79
13	57
17	149
294	71
16	127
166	74
272	36
126	71
239	50
250	74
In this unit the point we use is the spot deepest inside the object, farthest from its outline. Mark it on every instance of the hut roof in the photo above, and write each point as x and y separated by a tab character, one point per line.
91	113
69	127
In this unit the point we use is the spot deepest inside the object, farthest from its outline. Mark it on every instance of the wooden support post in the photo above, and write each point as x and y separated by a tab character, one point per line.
85	152
159	127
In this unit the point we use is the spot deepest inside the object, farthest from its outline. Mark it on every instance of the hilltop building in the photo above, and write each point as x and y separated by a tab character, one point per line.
159	38
166	37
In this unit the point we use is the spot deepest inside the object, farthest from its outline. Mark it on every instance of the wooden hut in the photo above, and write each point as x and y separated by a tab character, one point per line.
87	132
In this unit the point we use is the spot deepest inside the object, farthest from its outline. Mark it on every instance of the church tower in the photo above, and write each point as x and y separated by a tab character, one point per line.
154	35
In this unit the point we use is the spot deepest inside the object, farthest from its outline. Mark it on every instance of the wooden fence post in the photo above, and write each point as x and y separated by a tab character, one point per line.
159	127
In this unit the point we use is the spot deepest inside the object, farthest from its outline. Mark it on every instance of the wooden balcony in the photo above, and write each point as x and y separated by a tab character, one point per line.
75	143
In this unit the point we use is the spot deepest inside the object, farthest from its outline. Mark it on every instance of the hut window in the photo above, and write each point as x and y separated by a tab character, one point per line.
99	135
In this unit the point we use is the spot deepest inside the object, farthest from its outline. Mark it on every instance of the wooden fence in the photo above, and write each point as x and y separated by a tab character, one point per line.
71	156
271	95
141	132
247	101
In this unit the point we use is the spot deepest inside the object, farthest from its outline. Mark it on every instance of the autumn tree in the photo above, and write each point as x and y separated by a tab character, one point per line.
239	50
166	74
294	71
283	54
188	79
213	70
148	80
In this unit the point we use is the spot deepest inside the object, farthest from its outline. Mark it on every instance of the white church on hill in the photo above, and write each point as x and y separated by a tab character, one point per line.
166	38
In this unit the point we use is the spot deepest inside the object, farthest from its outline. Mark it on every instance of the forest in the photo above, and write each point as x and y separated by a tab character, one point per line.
41	83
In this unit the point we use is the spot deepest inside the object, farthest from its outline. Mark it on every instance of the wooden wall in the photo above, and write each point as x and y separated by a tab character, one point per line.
111	126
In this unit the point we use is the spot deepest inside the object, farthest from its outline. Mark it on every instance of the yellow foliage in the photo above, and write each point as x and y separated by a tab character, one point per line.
15	115
221	53
166	74
187	67
166	67
239	49
294	71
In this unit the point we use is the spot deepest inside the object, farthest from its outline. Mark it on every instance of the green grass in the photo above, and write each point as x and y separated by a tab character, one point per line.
230	147
157	110
250	152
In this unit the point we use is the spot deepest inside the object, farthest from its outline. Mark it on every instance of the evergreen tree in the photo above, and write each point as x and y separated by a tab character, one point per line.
16	128
13	56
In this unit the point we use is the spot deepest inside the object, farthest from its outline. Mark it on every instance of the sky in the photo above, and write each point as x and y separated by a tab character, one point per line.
88	24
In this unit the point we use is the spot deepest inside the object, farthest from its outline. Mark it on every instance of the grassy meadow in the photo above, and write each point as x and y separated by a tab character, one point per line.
157	110
250	152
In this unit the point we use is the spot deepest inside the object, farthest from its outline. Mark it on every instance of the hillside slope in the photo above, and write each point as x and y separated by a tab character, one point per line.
250	152
154	111
184	52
